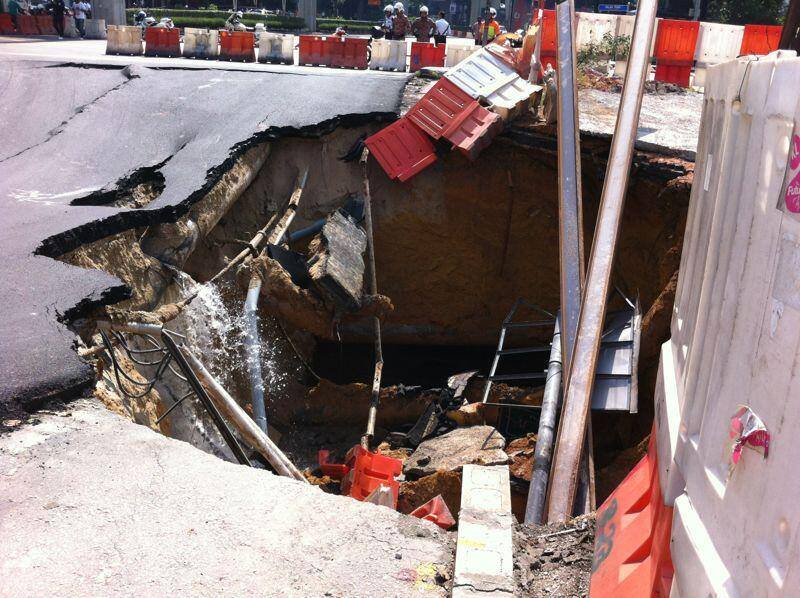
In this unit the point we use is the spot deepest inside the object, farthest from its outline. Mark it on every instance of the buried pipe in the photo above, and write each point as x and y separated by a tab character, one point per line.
159	331
247	428
252	341
545	435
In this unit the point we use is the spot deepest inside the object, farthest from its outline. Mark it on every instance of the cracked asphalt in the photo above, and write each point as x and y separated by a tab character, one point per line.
71	131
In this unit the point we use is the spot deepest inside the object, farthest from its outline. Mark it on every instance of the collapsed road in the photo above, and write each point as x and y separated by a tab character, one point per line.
75	138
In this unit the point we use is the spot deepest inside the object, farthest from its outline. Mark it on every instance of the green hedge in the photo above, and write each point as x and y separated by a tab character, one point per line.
215	19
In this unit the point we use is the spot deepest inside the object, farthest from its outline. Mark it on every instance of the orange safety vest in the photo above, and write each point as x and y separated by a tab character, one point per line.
494	30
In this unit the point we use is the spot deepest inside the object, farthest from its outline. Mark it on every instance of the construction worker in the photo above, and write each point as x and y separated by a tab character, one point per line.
490	28
423	27
400	23
234	22
388	20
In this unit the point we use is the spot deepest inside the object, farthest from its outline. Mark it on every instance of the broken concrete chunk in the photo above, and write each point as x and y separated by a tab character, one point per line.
337	265
481	445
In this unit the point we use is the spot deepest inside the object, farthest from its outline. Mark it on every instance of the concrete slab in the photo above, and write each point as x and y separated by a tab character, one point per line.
668	123
484	553
94	505
71	134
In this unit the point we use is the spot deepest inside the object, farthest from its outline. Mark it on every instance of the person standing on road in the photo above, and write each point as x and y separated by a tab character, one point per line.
490	28
423	27
388	20
15	7
59	8
400	23
477	27
79	9
442	29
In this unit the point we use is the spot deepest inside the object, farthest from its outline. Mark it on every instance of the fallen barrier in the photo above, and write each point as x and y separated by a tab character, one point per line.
388	55
276	48
95	28
121	39
438	109
402	149
474	130
200	43
237	46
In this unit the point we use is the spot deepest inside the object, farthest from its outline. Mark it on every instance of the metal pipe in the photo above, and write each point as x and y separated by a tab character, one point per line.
247	428
252	341
577	396
201	393
545	436
252	351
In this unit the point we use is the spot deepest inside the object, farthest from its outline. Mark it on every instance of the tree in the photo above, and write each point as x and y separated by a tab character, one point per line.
743	12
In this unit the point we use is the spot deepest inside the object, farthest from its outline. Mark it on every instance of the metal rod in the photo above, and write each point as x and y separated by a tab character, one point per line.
376	322
201	393
577	401
247	428
543	454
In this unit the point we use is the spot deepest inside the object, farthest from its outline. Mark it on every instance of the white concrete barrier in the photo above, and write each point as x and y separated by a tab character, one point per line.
715	43
121	39
200	43
95	28
457	49
388	55
734	342
276	48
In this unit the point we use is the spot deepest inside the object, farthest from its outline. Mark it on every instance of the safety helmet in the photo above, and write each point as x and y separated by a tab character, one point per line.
493	12
423	9
141	14
239	14
150	20
399	6
388	8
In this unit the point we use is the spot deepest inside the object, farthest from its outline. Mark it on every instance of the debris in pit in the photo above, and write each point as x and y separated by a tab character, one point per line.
555	559
435	511
416	493
481	445
521	451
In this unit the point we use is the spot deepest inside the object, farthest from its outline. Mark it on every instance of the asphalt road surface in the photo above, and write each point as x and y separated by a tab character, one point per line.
73	126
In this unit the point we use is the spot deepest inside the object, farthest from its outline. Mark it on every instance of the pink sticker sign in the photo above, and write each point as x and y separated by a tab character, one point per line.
792	194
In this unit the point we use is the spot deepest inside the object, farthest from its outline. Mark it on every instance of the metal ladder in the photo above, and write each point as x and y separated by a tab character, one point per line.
509	324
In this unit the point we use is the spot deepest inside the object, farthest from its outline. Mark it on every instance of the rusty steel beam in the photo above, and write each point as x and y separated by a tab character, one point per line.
577	398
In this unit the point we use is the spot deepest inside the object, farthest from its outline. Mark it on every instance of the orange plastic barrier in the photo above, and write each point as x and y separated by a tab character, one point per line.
631	547
6	24
426	54
760	39
674	50
368	472
435	510
549	49
402	149
237	46
44	23
314	50
160	41
26	25
351	52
